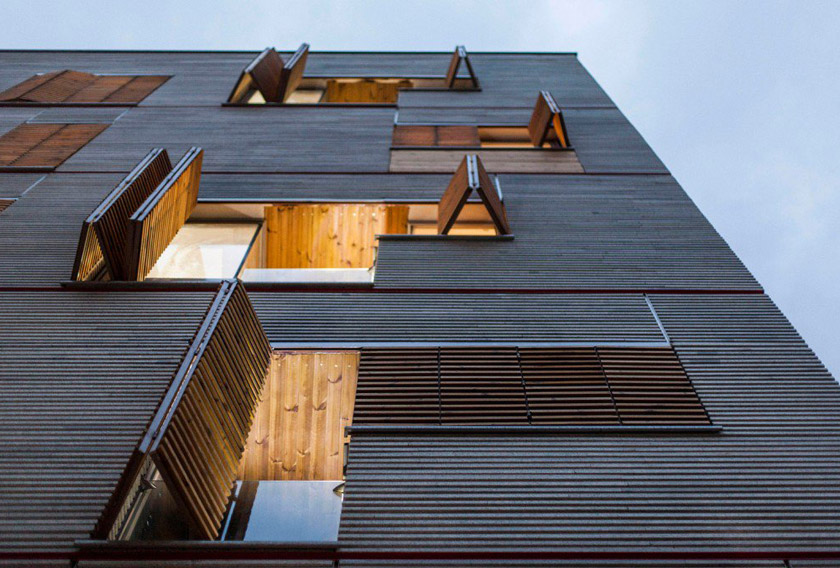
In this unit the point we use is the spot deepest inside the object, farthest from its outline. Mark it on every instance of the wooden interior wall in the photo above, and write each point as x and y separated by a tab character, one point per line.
364	91
329	235
298	431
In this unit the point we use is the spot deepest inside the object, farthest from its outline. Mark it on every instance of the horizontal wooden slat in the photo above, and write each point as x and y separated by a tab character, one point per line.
77	87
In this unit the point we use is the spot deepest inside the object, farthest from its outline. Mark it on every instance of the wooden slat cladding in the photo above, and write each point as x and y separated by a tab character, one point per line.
471	176
428	135
275	79
547	122
197	437
509	385
78	87
298	431
499	160
157	220
43	146
102	244
5	204
329	235
458	56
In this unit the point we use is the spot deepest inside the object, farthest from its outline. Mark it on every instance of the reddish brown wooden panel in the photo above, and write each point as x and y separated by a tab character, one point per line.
78	87
19	90
20	140
459	55
137	89
265	72
547	124
64	143
61	87
453	199
100	89
414	135
458	136
5	204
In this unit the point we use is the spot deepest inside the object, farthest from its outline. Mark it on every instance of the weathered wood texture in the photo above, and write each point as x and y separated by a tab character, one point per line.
329	235
298	431
156	221
511	385
467	318
44	145
78	87
198	434
471	176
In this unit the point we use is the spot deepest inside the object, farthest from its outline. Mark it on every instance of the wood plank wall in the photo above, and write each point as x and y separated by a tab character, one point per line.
298	431
329	235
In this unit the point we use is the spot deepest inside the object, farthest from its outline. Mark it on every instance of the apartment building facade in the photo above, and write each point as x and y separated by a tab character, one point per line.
381	309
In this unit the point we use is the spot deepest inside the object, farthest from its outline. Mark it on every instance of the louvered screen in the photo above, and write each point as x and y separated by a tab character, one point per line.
559	386
451	81
102	244
78	87
44	146
157	220
198	435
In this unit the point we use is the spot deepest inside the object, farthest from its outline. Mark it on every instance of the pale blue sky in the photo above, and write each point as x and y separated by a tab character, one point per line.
739	99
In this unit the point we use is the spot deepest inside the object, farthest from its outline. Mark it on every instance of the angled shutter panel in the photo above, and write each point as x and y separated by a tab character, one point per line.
414	135
98	90
197	437
459	55
102	241
292	73
470	176
61	87
135	90
44	146
77	87
157	220
19	91
460	135
547	122
265	72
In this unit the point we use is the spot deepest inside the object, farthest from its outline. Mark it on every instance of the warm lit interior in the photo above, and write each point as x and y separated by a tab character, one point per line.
291	474
300	242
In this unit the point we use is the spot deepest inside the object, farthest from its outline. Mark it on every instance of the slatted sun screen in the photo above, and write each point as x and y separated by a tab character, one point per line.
157	220
77	87
547	122
459	55
275	79
101	252
470	176
44	146
509	385
127	232
197	437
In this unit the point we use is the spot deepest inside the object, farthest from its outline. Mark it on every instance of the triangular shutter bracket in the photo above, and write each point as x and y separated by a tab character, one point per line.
547	122
470	176
275	79
460	54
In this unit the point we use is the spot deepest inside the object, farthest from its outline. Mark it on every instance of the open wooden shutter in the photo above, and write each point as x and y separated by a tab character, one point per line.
102	241
470	176
157	220
78	87
44	146
275	79
547	122
459	55
197	437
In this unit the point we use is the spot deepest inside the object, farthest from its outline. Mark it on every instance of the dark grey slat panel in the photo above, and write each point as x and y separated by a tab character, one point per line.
495	563
194	563
14	185
513	80
12	117
598	232
80	376
254	139
39	234
78	115
596	494
339	187
324	317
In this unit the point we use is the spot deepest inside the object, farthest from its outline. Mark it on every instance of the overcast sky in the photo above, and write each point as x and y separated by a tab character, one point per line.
741	100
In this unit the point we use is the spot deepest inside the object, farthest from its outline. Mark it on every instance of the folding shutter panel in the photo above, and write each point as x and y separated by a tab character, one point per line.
5	204
292	72
265	72
103	239
454	198
61	87
157	220
101	88
489	195
137	89
197	437
45	145
650	387
414	135
481	386
547	122
398	386
566	386
459	55
19	91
